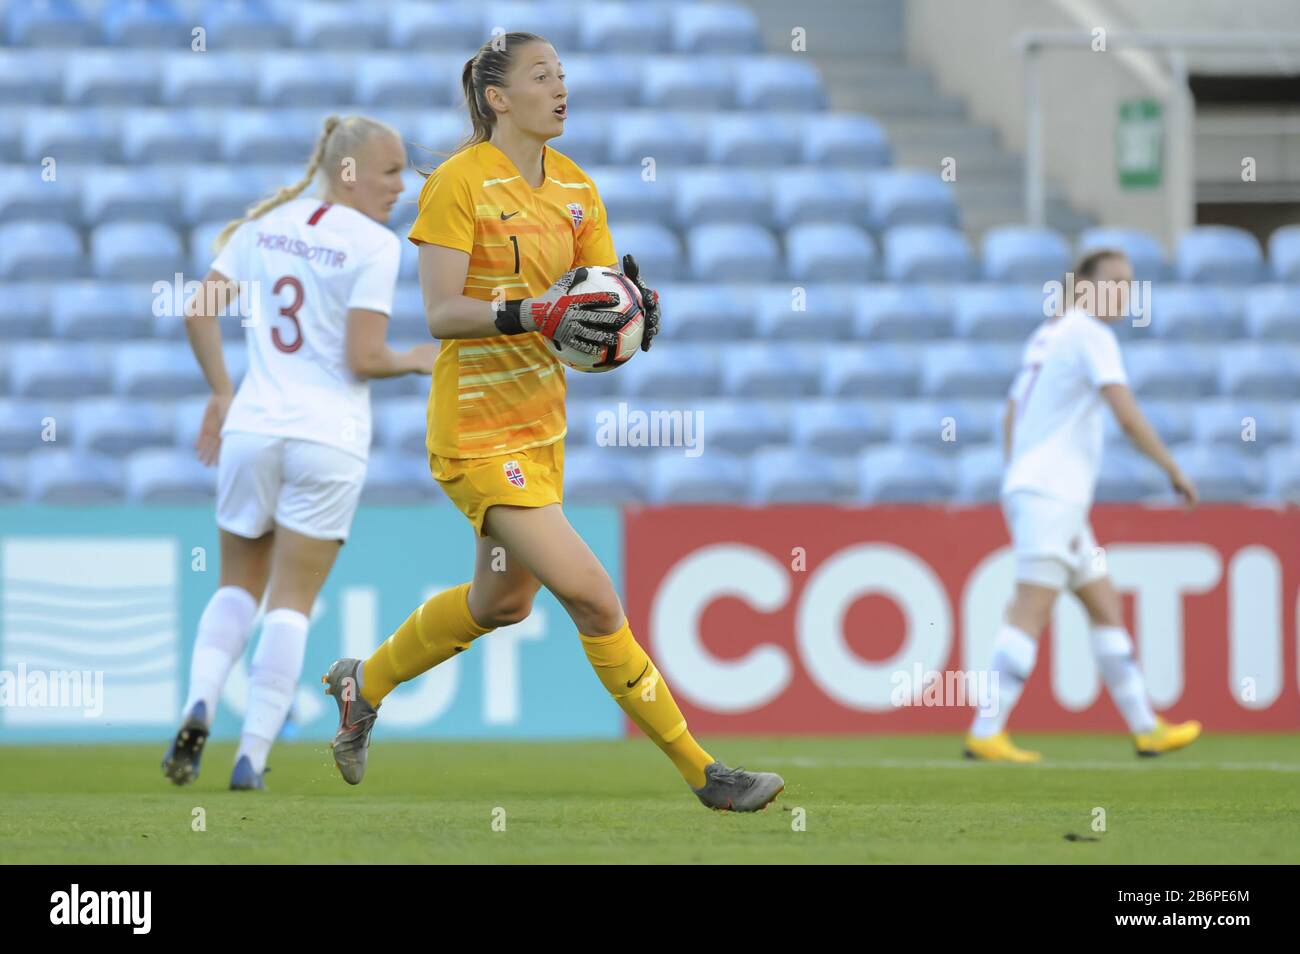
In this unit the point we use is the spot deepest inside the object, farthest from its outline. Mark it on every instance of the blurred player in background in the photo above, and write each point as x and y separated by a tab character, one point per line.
506	228
291	446
1052	436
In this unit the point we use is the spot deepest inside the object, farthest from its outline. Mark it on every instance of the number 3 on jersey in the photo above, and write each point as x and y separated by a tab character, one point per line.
290	312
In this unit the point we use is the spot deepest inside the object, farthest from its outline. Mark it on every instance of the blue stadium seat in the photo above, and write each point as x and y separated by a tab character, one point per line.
159	136
1174	421
25	195
442	130
586	138
733	251
1170	371
904	475
602	476
900	313
1284	253
399	478
1283	473
756	140
1273	313
1143	250
201	254
979	474
1251	427
831	252
674	371
1220	254
156	370
407	319
706	196
602	82
558	22
784	475
588	387
927	253
770	83
25	310
29	78
1190	313
656	249
187	418
760	371
707	312
213	193
168	476
630	198
709	478
108	311
98	79
818	195
715	28
61	371
1271	372
1220	473
127	250
388	82
47	23
346	26
1129	477
13	479
400	425
145	23
63	476
945	425
211	80
304	80
909	197
435	27
74	136
844	139
268	136
669	138
738	427
1023	253
879	371
40	250
687	83
116	427
23	425
969	370
818	313
246	24
839	427
145	195
998	312
583	420
632	27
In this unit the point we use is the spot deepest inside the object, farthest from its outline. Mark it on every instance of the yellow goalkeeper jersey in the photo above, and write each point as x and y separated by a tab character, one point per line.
501	394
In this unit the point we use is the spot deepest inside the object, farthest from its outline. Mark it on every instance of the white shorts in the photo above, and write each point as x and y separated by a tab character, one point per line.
303	486
1053	542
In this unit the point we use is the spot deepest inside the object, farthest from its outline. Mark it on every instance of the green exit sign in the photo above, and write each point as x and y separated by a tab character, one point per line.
1139	144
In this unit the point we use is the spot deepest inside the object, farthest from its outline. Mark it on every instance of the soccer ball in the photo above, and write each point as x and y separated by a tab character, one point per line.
629	333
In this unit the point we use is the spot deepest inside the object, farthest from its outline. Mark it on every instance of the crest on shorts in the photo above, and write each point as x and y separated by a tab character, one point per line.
513	473
575	212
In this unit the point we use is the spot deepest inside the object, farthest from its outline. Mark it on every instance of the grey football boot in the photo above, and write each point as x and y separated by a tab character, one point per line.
181	763
735	790
356	719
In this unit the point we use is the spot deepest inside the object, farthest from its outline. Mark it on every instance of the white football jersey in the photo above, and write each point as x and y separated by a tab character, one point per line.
1057	436
305	264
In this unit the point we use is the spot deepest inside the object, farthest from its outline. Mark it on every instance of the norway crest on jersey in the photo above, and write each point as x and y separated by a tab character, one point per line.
575	213
513	473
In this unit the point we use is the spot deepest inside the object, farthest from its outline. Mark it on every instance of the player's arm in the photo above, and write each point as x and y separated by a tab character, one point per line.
1138	429
369	355
1008	422
202	314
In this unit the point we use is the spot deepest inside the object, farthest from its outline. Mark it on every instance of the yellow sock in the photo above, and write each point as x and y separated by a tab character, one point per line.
631	678
438	630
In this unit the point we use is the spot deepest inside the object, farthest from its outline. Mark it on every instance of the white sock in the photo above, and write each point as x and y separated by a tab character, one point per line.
223	634
1128	690
277	666
1014	653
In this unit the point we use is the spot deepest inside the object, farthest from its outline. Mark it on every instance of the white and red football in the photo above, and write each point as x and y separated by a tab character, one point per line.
629	333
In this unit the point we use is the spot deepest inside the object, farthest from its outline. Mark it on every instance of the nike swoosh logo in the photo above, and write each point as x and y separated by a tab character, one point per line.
511	215
633	682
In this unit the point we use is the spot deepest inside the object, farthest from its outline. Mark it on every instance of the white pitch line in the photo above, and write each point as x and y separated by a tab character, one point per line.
1143	765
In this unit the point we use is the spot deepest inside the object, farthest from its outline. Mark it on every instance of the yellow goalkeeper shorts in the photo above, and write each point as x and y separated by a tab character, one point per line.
526	478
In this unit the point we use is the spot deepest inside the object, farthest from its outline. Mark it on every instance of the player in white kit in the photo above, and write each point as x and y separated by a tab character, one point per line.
291	445
1052	436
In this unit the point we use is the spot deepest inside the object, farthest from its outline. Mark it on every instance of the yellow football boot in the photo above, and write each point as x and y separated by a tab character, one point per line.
998	748
1166	737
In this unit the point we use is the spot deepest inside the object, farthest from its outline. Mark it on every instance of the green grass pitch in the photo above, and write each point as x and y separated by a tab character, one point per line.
1231	799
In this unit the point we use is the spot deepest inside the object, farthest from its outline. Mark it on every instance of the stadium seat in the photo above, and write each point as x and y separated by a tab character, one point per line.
687	83
304	80
752	140
214	79
879	371
128	250
166	135
595	476
24	310
1251	427
817	313
40	250
347	26
583	420
710	478
400	425
586	139
202	256
116	427
30	77
556	21
156	370
1128	477
632	27
435	27
23	425
669	138
1273	313
108	311
1143	250
843	139
707	196
890	475
1022	253
98	79
740	252
630	198
247	24
45	23
1190	313
770	82
902	197
782	475
927	253
998	312
1283	473
900	313
979	472
586	387
1219	254
168	476
601	82
213	193
71	136
1174	421
968	370
839	427
187	418
24	195
740	427
945	426
387	82
714	28
144	195
674	371
13	479
60	371
145	23
65	476
809	194
1259	371
268	136
699	312
830	252
1170	371
1284	253
759	371
1220	473
657	250
399	478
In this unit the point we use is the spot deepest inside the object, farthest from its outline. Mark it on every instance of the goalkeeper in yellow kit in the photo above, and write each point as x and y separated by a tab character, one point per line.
506	228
